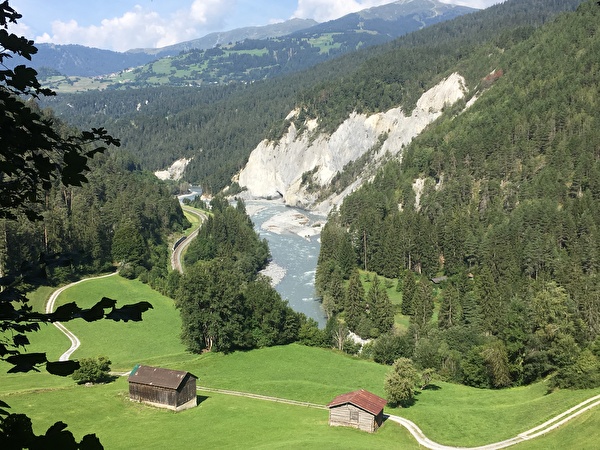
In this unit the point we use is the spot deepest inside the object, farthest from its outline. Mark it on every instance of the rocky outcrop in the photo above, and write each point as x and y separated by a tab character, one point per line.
276	168
175	172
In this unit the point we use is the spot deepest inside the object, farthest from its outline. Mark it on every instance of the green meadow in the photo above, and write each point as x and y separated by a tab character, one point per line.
448	414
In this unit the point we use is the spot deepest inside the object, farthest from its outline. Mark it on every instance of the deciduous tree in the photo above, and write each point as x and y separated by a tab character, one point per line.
401	382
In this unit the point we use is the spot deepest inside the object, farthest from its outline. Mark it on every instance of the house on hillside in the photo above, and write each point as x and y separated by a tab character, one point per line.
164	388
358	409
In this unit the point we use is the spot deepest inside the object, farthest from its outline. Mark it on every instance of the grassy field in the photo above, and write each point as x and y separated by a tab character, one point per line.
220	421
449	414
155	338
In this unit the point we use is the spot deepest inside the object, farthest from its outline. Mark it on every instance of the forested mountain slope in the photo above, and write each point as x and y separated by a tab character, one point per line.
247	55
220	126
121	215
503	198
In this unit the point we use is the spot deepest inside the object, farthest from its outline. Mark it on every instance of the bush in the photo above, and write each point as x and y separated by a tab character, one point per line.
388	348
401	383
93	370
583	374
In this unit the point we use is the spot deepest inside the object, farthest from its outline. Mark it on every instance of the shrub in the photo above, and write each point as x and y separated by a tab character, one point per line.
401	383
93	370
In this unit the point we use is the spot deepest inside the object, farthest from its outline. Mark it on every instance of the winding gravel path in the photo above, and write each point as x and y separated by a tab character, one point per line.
544	428
75	343
423	440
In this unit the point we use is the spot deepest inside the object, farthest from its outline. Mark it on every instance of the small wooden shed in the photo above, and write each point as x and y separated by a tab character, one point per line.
358	409
164	388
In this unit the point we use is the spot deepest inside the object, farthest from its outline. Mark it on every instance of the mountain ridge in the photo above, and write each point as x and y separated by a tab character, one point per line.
246	54
236	35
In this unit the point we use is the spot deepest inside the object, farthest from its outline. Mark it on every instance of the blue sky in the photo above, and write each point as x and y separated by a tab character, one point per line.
125	24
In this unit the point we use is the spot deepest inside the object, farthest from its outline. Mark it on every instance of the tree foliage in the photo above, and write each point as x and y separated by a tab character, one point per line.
38	158
401	382
224	305
508	212
92	370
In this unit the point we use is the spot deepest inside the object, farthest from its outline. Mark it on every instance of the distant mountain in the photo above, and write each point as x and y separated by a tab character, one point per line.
229	37
220	126
242	56
81	61
78	60
382	23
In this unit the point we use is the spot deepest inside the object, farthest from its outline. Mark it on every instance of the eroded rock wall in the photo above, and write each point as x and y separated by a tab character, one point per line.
276	169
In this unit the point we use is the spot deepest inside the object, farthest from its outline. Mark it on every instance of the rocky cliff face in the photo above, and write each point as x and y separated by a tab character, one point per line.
276	169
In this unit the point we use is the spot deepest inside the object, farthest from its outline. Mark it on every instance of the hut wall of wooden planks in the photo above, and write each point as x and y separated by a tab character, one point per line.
358	409
164	388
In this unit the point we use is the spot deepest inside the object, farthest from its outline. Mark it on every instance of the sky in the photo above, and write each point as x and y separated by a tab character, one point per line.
122	25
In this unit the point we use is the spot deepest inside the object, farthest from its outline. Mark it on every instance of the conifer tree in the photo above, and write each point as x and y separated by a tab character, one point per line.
380	307
355	308
408	292
422	305
450	309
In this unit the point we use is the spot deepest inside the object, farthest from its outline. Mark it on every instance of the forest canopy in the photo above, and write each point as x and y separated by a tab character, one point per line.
507	216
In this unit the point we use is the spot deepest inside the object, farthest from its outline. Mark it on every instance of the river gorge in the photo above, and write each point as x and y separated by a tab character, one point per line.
293	237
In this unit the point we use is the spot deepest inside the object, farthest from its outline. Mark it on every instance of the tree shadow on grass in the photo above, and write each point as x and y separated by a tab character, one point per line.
431	387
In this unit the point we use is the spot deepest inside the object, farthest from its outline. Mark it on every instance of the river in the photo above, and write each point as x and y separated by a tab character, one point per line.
293	237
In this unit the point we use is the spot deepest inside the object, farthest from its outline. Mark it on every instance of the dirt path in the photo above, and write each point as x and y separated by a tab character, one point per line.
75	343
261	397
540	430
423	440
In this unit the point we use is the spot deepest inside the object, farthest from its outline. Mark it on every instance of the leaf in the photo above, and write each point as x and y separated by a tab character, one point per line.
26	362
62	368
58	427
24	77
129	312
96	312
20	340
66	312
91	442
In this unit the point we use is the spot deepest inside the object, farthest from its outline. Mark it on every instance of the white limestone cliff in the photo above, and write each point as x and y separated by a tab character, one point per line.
175	172
276	168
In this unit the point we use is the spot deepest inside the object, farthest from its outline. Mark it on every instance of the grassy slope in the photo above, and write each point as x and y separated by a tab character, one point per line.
156	337
219	422
451	414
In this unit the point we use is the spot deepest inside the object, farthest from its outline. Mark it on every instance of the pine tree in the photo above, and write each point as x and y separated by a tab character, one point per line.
380	307
355	307
408	292
422	306
450	309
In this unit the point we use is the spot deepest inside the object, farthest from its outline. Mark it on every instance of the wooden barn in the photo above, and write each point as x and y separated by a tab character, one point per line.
359	409
164	388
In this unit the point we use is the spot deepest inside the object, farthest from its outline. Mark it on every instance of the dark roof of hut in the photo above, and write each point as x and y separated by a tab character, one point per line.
362	399
156	376
438	280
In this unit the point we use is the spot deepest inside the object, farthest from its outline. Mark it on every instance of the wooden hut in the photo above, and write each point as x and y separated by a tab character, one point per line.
164	388
359	409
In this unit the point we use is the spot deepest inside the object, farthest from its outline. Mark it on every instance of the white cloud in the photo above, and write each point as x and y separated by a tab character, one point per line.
324	10
143	27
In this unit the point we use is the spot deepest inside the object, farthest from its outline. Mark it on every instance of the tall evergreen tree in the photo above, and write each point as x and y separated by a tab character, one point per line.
409	287
450	313
355	305
380	307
